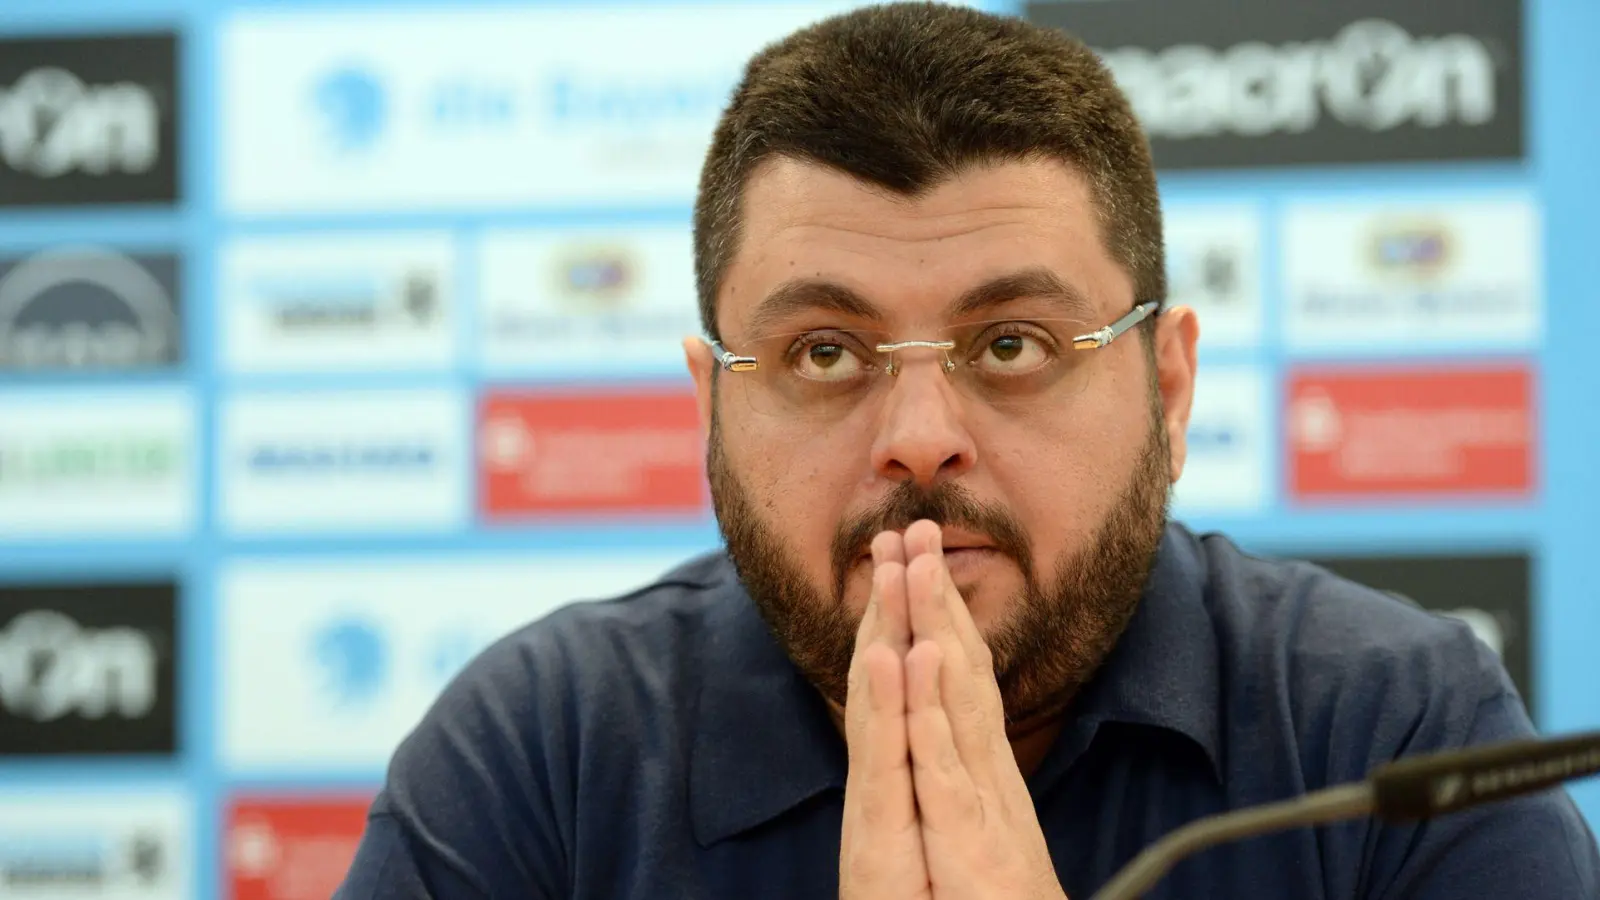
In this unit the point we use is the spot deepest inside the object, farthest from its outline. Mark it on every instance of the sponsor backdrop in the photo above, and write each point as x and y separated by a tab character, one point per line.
339	339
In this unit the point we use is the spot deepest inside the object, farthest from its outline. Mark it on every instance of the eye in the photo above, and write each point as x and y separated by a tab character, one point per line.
825	358
1012	350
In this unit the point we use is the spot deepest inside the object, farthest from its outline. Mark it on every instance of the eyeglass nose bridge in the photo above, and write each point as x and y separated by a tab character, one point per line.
894	362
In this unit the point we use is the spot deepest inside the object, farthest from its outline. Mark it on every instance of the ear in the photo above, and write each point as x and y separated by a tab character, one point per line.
1177	339
697	356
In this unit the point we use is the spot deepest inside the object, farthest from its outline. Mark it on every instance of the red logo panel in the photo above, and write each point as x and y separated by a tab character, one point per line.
1411	432
292	848
576	453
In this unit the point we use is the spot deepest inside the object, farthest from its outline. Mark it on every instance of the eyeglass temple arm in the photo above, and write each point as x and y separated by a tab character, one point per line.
1106	335
730	361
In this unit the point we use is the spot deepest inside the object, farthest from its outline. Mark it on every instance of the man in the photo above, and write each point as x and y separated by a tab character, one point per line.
954	648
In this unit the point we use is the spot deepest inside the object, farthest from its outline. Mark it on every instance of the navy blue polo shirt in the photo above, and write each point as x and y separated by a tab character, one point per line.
661	745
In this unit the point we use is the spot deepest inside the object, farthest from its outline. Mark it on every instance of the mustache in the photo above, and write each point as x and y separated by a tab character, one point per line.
948	505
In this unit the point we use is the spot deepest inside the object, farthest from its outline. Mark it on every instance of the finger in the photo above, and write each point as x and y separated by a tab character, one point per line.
893	621
878	628
888	549
946	794
960	615
970	698
920	538
871	617
888	546
879	796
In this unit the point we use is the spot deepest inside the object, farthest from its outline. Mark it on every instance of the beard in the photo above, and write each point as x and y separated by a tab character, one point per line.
1051	639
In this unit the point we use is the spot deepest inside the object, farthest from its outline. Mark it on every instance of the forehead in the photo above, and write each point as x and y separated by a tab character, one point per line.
912	257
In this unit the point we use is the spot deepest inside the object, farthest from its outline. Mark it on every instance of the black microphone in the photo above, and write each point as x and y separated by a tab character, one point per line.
1406	790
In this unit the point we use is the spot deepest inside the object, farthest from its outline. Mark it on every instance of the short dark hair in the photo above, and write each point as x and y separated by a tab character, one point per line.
906	95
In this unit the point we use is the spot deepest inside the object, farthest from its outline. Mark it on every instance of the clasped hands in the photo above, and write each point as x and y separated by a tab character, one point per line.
935	805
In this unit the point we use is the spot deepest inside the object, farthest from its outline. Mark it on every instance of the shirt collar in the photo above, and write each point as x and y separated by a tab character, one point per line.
764	742
1165	671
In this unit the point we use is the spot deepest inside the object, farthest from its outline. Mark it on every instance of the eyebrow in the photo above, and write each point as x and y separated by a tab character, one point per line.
1028	284
799	295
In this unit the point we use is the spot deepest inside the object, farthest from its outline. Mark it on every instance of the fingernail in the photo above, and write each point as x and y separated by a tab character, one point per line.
938	543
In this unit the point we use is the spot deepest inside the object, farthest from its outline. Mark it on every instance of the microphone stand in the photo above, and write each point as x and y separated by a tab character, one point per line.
1352	801
1410	789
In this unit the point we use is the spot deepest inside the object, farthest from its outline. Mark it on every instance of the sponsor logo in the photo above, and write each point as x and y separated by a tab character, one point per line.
296	305
585	106
331	664
562	305
1429	275
339	303
352	106
84	861
1484	625
88	308
310	459
90	458
595	277
355	661
1213	266
353	658
1397	433
104	844
1491	593
1363	81
1372	75
88	120
379	460
1226	469
590	453
1411	251
87	464
292	847
88	668
55	668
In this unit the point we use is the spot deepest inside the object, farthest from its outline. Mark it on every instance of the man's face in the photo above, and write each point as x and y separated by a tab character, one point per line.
1052	495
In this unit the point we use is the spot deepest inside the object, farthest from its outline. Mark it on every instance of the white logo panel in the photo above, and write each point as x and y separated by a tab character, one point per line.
96	464
107	844
1214	267
380	461
1409	275
574	303
1227	466
384	110
331	664
339	303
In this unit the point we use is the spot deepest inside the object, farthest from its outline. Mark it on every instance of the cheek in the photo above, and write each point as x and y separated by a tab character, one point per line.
1062	472
800	483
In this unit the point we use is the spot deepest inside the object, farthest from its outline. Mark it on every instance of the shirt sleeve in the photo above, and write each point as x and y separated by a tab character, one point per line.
1537	846
468	807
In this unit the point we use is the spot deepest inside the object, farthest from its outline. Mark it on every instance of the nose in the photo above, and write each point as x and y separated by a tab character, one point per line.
922	433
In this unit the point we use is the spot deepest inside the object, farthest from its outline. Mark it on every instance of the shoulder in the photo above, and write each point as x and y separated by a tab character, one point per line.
488	784
578	683
591	649
1329	627
1358	675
